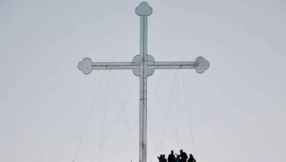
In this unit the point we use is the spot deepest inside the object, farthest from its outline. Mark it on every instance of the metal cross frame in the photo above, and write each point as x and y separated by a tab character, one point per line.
143	65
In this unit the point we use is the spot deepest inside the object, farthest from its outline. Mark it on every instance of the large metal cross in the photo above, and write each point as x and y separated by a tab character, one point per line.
143	65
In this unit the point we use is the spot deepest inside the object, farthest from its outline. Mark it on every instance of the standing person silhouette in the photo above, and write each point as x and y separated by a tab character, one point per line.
191	159
171	157
162	158
177	158
183	156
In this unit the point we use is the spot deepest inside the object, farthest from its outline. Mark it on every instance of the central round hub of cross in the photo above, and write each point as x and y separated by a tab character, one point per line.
150	70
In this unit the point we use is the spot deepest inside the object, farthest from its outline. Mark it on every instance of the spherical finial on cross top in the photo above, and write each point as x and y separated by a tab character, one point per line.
144	9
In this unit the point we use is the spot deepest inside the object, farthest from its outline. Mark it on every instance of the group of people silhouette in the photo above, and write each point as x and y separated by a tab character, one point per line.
182	157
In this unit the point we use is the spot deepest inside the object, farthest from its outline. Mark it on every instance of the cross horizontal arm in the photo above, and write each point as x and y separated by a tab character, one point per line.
133	65
173	65
200	65
86	65
114	65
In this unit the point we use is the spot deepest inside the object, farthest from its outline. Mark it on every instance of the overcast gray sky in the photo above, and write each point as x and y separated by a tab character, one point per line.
236	109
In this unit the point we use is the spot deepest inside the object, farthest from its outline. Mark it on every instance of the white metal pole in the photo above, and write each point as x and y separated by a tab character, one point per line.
143	90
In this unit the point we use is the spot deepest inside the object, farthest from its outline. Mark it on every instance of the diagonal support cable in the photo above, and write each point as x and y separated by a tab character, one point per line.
130	133
109	131
104	116
166	113
188	114
122	107
88	118
152	134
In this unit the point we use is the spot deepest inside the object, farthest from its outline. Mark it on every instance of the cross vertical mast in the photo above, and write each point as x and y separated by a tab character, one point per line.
143	10
143	90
